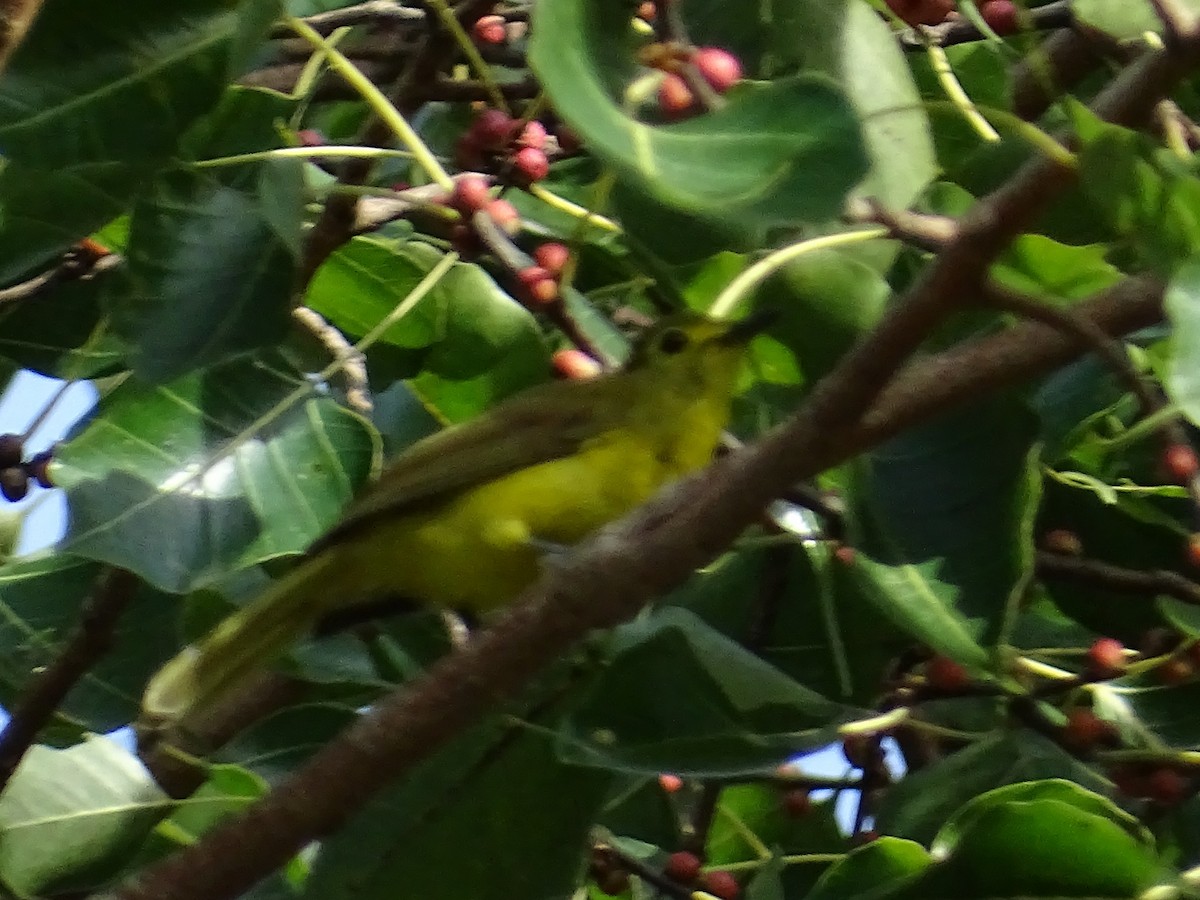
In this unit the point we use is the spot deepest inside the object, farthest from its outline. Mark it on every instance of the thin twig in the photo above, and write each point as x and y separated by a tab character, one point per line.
91	639
1148	583
353	363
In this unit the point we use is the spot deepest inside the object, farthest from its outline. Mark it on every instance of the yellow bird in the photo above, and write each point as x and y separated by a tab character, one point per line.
459	519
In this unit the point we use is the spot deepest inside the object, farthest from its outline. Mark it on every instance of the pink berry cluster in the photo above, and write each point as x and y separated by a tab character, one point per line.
496	142
1000	15
719	68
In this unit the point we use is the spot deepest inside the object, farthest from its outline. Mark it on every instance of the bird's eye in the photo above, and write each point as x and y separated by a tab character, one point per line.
672	341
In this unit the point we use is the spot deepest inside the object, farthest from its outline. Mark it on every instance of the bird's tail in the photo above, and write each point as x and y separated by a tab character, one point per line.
248	640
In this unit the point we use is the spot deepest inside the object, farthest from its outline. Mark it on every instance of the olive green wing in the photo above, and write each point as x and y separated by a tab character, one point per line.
540	424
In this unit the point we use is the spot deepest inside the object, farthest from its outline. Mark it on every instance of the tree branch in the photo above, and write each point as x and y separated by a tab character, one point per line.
91	639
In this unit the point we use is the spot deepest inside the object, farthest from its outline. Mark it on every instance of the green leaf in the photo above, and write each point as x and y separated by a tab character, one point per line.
1034	264
476	344
919	804
865	870
681	697
69	817
233	464
207	278
1182	304
776	153
1124	19
1041	847
87	113
43	596
496	816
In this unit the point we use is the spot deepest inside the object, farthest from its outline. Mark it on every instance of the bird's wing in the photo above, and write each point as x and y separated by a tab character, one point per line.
543	423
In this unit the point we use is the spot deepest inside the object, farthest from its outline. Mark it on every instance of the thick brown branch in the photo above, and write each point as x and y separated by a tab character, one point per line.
1095	573
91	639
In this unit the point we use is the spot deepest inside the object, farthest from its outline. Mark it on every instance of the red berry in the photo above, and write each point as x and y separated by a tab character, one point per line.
1193	549
492	129
1063	541
669	783
542	290
922	12
470	194
577	365
944	674
14	483
489	30
682	867
1106	658
675	98
533	135
552	256
1175	670
647	12
1084	730
720	68
721	884
797	803
844	554
1166	785
531	164
1000	15
1181	462
505	215
310	137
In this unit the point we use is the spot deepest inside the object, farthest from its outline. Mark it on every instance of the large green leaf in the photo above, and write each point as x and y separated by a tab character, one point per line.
493	817
776	153
239	463
682	697
90	105
1182	304
69	817
1125	19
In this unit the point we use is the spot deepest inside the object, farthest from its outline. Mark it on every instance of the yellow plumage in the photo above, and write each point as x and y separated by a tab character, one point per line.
457	520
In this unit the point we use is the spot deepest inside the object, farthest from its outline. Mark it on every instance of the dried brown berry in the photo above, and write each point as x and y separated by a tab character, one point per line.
12	449
14	483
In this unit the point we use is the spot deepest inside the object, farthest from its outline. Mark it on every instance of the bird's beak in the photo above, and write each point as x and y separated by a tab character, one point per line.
741	331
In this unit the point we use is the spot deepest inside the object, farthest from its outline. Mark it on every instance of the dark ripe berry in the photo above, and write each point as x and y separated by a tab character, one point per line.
489	30
1064	541
568	140
38	468
531	164
647	12
859	750
1193	550
533	135
682	867
675	98
1175	670
721	884
1157	641
492	129
1181	462
797	803
613	882
922	12
670	783
577	365
465	240
1001	15
1132	781
865	837
1085	730
310	137
505	215
12	449
14	483
1106	658
470	194
1166	785
944	674
720	68
468	154
844	554
552	256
